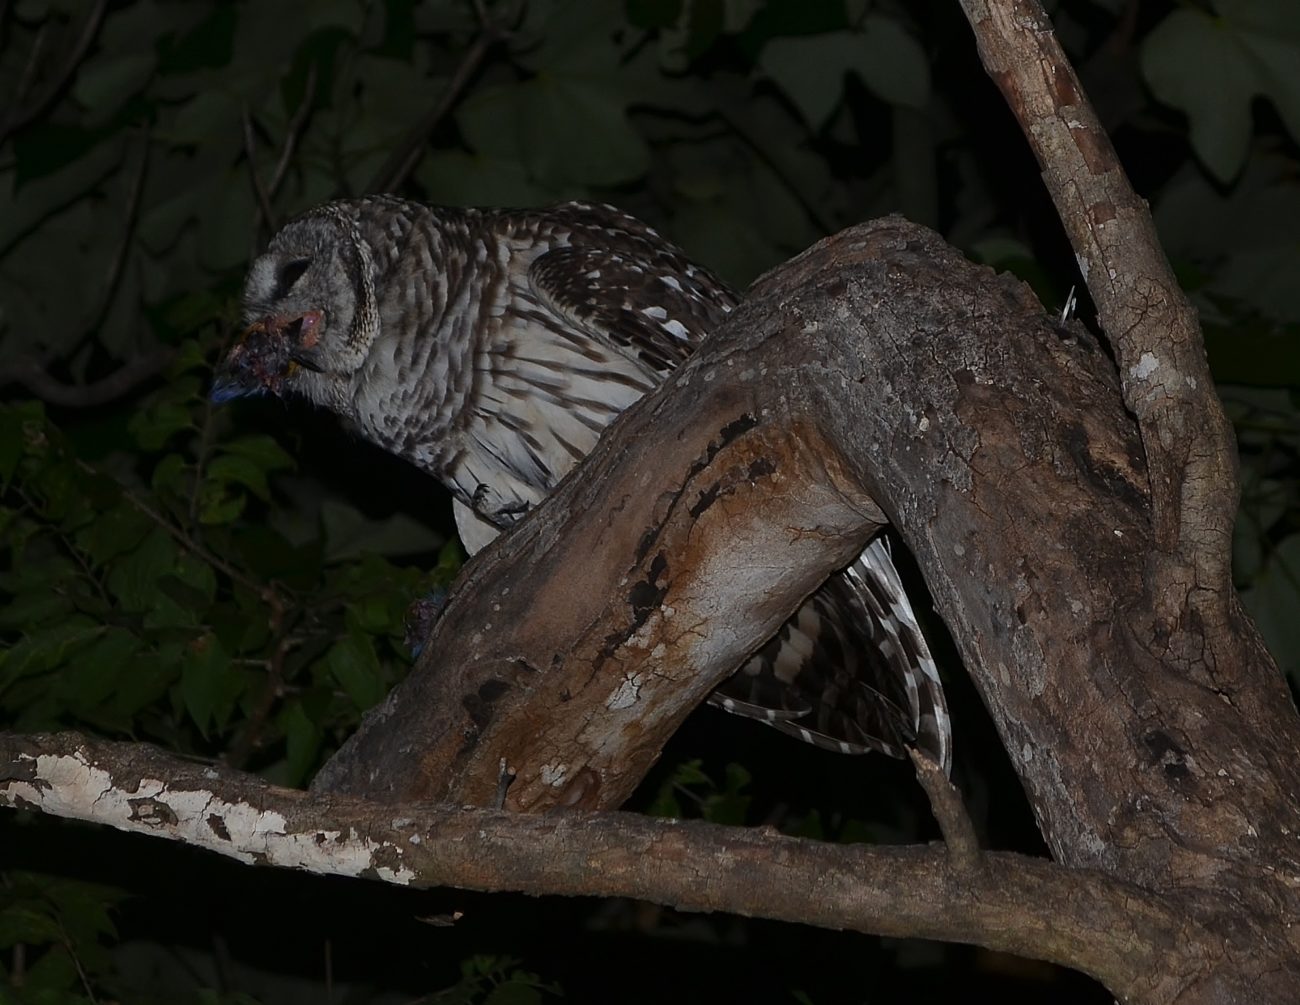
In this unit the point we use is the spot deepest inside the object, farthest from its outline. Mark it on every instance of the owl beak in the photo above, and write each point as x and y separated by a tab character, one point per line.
266	354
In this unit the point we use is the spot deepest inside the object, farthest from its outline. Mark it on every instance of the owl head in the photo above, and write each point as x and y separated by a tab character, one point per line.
309	310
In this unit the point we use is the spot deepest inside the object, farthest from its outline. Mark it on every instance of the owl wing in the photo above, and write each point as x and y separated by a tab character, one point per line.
850	671
619	280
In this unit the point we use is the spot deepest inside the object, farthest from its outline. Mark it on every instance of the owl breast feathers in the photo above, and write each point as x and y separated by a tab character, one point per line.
491	348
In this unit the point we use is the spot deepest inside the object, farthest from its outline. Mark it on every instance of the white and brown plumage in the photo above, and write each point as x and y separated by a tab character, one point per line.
491	349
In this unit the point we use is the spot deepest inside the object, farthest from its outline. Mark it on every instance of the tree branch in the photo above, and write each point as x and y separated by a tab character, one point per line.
1150	323
1118	933
32	374
946	805
259	189
16	117
877	373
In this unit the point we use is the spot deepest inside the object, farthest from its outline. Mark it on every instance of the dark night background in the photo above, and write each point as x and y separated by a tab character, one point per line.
231	582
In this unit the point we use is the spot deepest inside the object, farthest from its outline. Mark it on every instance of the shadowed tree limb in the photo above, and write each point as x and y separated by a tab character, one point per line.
18	115
31	374
1014	904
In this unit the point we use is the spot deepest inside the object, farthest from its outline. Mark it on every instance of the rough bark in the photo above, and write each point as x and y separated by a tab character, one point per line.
997	441
1121	934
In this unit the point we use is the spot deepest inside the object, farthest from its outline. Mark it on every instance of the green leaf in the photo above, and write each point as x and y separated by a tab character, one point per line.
206	683
20	425
1193	62
349	533
114	532
33	609
893	65
1211	68
170	475
513	993
261	450
91	680
134	581
211	112
303	739
810	69
654	13
568	130
354	665
151	675
241	470
218	504
184	594
43	650
29	925
103	84
457	178
155	425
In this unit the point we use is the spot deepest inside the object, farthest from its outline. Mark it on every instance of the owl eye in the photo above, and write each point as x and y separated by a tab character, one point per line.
291	273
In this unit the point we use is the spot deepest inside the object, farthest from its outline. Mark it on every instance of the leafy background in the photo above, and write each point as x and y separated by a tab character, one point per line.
231	582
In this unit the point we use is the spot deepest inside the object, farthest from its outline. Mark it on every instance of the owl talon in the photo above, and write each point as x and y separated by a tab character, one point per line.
489	504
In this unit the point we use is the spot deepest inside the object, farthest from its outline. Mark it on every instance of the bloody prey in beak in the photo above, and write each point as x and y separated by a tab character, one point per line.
266	355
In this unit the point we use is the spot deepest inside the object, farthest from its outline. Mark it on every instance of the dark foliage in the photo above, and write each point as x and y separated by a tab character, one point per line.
231	582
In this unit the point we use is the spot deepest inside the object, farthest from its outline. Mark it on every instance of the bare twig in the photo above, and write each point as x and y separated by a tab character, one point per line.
116	267
76	962
32	374
949	810
263	197
774	155
402	161
278	608
250	735
29	71
17	117
266	191
293	131
268	594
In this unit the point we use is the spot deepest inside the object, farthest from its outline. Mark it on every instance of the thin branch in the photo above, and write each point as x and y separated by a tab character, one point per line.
76	962
118	265
945	802
293	131
32	374
268	594
29	71
250	736
733	113
402	161
263	197
18	117
1118	932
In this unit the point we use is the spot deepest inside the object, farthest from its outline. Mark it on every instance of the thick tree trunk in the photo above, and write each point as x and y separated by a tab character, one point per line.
879	365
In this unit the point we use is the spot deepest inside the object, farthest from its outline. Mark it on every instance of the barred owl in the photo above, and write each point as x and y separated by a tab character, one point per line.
491	348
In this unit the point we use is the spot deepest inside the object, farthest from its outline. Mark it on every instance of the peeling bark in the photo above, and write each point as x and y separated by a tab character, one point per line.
1007	902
